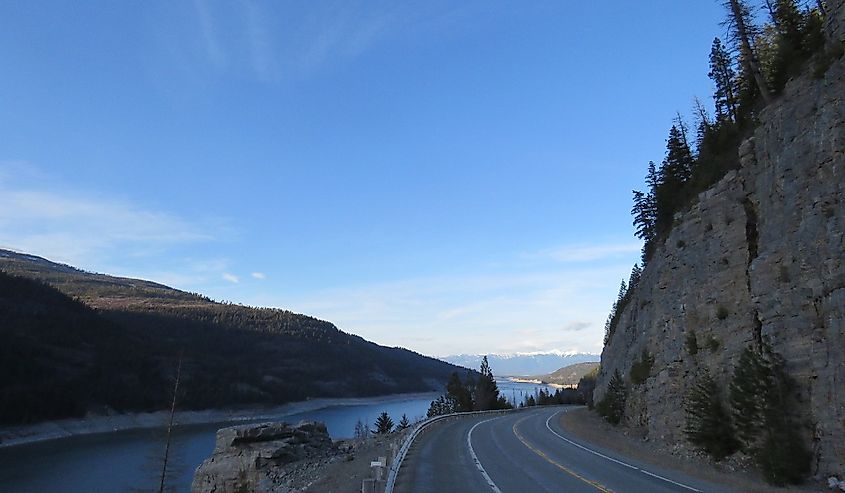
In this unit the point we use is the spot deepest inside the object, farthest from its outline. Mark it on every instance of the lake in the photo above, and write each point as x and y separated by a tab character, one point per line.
125	460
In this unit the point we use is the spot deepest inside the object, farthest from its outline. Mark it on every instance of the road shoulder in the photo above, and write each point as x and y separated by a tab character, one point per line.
590	428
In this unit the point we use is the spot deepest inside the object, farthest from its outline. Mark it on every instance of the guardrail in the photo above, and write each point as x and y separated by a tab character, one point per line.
393	471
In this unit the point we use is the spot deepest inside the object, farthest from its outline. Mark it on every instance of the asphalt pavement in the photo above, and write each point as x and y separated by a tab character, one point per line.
526	451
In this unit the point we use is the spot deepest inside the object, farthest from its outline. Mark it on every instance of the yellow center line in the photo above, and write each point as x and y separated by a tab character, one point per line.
560	466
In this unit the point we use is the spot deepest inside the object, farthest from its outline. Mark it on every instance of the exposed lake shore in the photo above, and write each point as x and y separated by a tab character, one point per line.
90	425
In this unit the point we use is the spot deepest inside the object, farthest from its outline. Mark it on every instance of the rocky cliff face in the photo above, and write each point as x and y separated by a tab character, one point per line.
759	255
247	457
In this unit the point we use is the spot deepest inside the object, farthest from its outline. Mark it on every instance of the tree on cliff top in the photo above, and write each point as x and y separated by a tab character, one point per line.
740	23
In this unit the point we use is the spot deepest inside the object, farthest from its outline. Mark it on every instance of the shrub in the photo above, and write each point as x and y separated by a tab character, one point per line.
722	313
713	344
641	370
692	342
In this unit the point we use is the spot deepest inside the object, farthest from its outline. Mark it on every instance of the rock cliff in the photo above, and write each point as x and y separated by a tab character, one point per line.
760	255
246	457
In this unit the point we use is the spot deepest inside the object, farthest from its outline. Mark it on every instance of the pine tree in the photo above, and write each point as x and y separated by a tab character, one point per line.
404	423
636	274
486	390
741	26
783	456
440	406
762	402
674	172
747	390
724	78
612	405
708	423
384	424
459	393
644	212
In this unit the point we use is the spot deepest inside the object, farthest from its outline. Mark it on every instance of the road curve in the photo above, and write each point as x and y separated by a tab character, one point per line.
526	451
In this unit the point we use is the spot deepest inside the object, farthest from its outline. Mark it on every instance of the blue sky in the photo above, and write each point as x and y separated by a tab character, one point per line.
445	176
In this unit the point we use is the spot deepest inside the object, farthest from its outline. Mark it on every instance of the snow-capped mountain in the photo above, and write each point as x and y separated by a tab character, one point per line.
522	364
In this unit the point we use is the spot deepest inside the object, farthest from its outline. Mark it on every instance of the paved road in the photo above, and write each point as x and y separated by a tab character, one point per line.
526	451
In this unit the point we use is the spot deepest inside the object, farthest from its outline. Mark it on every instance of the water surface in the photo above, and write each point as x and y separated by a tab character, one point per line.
130	460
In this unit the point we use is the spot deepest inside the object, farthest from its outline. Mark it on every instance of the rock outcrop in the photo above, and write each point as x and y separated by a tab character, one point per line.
246	457
758	256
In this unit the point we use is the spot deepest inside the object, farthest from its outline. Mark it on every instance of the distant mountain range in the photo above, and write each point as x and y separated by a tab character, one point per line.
523	364
74	342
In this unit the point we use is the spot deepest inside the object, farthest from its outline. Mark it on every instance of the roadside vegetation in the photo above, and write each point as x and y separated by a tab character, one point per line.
752	415
474	393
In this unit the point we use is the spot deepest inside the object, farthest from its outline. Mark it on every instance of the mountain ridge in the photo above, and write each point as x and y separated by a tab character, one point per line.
523	364
122	353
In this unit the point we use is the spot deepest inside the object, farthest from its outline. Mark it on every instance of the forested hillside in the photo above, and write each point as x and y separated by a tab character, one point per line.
95	343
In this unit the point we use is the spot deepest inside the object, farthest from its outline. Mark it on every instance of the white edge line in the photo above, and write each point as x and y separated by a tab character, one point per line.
393	470
475	457
609	458
583	447
669	480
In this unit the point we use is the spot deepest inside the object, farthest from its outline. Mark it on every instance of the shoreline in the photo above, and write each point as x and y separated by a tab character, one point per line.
539	382
46	431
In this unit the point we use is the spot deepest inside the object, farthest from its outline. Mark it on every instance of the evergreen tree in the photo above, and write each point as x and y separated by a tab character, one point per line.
404	423
724	78
674	172
459	394
748	386
384	424
441	406
708	423
586	386
783	455
636	274
645	211
612	406
762	401
486	390
741	26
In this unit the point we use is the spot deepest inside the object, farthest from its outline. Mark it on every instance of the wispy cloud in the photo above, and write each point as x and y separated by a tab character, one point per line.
230	278
40	216
208	31
279	41
547	308
259	275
